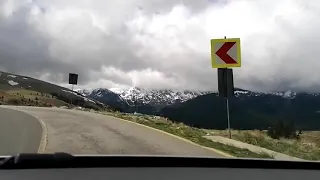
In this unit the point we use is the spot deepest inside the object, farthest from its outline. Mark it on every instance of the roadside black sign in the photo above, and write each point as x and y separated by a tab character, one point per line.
73	78
225	82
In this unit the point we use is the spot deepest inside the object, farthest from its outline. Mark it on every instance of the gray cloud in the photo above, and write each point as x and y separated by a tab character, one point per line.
161	44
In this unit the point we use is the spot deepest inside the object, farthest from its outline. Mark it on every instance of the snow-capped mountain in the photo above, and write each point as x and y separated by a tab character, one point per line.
109	98
150	101
250	109
147	99
156	97
105	93
167	96
136	95
163	97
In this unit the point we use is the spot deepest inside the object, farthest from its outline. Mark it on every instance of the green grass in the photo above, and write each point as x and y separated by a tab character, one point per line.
25	97
307	147
193	134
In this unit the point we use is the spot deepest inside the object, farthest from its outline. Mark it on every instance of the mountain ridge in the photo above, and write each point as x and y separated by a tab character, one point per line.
136	96
253	111
146	95
248	109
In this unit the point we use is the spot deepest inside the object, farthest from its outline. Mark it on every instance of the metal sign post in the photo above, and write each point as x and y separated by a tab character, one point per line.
228	113
227	100
228	116
72	91
73	79
226	53
226	89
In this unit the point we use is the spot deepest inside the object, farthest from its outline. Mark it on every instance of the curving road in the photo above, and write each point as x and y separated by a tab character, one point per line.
19	132
79	132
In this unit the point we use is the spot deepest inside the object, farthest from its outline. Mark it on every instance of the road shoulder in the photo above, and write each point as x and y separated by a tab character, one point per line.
178	137
253	148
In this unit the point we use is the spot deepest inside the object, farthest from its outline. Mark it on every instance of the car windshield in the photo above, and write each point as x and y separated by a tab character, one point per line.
217	78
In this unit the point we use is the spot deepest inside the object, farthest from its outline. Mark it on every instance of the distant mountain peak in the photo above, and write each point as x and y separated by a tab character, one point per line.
116	90
101	92
158	96
137	95
286	94
146	96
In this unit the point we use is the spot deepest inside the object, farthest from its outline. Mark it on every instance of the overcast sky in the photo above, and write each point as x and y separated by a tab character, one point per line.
161	43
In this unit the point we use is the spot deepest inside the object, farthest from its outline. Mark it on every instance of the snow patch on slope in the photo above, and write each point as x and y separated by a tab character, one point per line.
13	76
86	99
288	94
84	92
243	93
12	83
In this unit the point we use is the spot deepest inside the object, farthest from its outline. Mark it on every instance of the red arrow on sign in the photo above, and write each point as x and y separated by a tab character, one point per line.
223	53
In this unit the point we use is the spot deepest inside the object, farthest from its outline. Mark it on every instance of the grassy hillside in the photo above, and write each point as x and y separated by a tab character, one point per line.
248	112
307	147
29	98
22	90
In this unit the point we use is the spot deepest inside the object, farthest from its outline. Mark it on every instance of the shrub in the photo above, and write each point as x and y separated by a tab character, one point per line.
14	101
282	130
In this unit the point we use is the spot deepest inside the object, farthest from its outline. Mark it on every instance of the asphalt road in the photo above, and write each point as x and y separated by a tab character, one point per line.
79	132
19	132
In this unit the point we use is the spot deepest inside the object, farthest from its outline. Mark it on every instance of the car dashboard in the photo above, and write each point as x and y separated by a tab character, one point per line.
84	167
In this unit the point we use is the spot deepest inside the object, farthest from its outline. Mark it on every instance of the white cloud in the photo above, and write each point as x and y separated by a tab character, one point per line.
161	44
